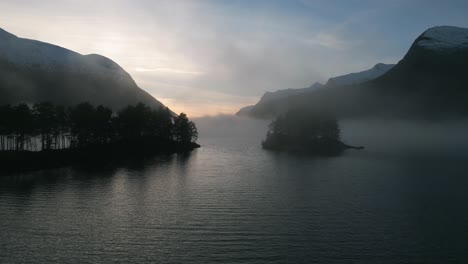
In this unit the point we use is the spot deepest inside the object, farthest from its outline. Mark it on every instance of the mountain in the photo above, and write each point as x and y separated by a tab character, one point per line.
33	71
278	95
430	81
432	76
356	78
245	111
270	96
272	102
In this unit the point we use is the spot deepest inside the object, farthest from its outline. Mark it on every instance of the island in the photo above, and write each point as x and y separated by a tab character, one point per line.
310	132
48	136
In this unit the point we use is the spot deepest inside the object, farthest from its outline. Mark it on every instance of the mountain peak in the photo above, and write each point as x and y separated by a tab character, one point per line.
46	72
382	66
316	85
443	38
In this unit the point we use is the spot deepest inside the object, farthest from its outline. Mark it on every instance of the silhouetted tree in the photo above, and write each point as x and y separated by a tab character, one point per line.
299	129
184	130
302	125
5	126
102	125
45	122
134	121
84	125
22	125
161	123
62	132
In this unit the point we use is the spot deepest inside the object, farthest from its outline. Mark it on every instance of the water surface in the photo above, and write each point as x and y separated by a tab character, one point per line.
232	202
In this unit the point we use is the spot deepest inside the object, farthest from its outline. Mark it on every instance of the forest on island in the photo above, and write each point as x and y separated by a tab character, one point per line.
45	126
298	130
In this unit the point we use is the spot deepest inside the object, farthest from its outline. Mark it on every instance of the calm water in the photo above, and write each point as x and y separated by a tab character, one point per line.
231	202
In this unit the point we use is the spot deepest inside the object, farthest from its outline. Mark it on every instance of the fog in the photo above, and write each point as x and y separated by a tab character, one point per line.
228	126
408	137
385	137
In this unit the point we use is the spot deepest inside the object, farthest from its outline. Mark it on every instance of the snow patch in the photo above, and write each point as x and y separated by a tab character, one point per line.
33	54
444	38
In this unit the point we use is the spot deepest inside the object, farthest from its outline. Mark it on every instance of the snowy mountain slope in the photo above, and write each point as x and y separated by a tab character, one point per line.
26	53
32	71
444	38
360	77
429	82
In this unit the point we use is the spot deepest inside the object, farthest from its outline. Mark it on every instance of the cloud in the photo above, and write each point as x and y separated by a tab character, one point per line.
167	71
327	40
233	50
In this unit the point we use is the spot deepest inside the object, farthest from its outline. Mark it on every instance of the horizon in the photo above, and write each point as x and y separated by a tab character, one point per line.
207	58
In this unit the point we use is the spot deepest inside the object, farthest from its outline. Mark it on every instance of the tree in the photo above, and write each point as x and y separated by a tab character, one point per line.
5	126
134	121
161	123
45	123
306	125
84	125
102	125
62	132
81	118
22	125
297	129
184	130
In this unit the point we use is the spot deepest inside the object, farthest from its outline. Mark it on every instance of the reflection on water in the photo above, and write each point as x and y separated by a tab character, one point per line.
231	202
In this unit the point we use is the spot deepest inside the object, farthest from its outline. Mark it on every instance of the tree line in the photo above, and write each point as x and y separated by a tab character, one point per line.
303	125
299	128
45	126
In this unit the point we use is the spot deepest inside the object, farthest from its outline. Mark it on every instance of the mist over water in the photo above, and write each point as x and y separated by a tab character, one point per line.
231	126
400	200
443	138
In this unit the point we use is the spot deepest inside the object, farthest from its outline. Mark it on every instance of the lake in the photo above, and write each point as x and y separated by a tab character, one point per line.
404	199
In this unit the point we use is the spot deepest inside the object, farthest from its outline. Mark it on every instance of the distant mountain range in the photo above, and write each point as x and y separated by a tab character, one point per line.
430	80
280	94
359	77
33	71
276	99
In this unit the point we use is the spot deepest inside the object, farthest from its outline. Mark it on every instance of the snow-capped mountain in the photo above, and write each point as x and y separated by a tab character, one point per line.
32	71
444	38
359	77
430	81
275	100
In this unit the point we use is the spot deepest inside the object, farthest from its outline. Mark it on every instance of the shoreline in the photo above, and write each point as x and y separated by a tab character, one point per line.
93	156
318	148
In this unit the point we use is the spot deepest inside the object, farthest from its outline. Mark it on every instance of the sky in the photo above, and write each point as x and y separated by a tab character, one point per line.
209	57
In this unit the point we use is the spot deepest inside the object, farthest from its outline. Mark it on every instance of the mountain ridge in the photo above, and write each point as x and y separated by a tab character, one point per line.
270	98
33	71
359	77
427	82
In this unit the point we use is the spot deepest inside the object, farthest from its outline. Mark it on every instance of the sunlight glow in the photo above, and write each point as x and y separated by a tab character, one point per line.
168	71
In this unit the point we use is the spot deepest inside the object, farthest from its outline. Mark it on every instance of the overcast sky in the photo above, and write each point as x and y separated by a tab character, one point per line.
210	57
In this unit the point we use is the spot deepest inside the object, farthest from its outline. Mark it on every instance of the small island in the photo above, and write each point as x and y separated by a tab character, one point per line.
48	136
314	133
